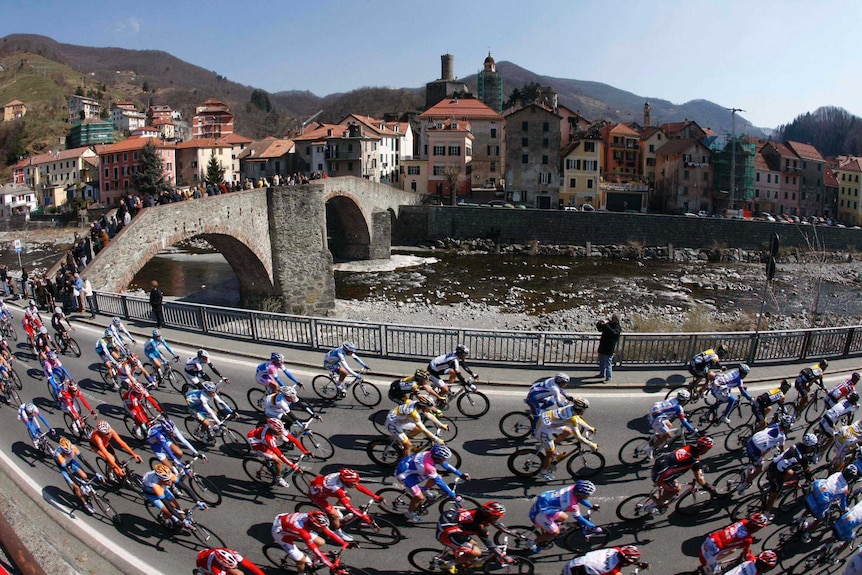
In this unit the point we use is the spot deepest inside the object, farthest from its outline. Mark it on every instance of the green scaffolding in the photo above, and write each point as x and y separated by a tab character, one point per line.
744	172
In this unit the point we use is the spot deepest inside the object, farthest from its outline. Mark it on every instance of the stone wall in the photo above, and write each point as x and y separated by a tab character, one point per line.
420	223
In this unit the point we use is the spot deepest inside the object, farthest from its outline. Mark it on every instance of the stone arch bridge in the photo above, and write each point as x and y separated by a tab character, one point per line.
279	241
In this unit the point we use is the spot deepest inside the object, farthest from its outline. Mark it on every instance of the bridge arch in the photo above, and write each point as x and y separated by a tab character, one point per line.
347	232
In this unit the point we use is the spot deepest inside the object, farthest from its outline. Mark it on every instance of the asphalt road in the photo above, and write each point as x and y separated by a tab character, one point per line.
669	542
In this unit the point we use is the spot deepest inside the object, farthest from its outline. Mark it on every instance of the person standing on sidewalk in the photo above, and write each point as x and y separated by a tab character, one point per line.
156	298
610	330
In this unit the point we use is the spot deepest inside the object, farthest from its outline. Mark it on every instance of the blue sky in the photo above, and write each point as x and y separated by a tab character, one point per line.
773	58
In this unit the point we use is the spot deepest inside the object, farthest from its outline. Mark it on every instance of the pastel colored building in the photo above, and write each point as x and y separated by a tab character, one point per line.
14	110
119	161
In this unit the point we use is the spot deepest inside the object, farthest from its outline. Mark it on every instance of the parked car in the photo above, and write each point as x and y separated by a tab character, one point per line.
587	208
767	217
703	214
690	214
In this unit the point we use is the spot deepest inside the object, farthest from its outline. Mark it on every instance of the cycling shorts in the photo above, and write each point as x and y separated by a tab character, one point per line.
155	355
456	540
199	413
71	467
325	505
667	477
755	456
161	450
661	426
106	357
546	520
546	435
332	366
401	432
156	501
412	482
709	552
287	540
774	478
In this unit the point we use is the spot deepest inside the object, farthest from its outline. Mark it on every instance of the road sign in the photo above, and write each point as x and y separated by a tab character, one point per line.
19	246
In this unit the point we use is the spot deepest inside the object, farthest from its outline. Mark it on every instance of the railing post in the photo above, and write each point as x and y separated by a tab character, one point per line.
806	341
252	318
617	358
848	341
125	307
314	335
543	342
752	350
202	314
383	347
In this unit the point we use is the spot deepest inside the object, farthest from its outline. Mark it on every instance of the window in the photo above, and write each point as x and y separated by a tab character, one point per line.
757	177
493	132
413	170
573	183
439	170
756	193
545	142
786	179
349	166
785	195
525	159
591	165
413	186
493	167
525	142
545	160
545	127
804	165
590	147
439	150
589	183
685	174
544	178
525	126
454	150
125	156
794	195
685	190
652	148
706	176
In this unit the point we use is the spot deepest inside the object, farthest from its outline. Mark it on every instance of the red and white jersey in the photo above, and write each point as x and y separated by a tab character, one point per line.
326	485
733	536
600	562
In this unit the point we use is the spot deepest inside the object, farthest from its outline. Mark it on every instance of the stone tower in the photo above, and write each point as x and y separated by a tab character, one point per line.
647	118
447	85
490	84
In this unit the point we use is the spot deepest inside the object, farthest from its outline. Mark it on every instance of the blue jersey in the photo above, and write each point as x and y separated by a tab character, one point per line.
197	399
545	393
667	409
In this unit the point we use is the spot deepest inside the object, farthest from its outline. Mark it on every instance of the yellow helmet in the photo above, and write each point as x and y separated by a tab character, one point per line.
65	444
163	471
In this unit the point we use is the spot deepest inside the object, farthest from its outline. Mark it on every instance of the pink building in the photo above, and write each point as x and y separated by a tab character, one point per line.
117	163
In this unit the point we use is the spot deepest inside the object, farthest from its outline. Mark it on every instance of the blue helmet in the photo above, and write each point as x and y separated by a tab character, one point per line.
348	346
441	452
169	426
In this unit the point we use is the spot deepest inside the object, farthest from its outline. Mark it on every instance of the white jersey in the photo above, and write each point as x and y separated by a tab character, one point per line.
768	438
838	410
595	562
747	568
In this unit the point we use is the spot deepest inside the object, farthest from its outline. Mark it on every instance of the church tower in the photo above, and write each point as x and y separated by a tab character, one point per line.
491	85
647	118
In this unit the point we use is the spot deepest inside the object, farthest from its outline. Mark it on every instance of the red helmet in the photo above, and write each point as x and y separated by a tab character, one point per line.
276	425
349	476
758	520
226	558
493	511
704	444
136	387
318	519
630	554
766	560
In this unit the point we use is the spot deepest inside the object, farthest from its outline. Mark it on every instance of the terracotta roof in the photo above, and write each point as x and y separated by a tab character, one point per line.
649	132
760	162
460	126
321	132
14	103
52	157
267	148
783	150
469	108
851	164
131	144
234	138
202	143
829	179
402	127
378	126
674	147
805	151
542	105
623	129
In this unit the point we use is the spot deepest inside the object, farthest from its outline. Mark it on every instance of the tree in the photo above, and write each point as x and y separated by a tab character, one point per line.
524	95
215	171
260	100
454	177
150	179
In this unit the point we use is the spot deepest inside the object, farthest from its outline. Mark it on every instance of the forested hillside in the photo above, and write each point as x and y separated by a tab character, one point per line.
833	131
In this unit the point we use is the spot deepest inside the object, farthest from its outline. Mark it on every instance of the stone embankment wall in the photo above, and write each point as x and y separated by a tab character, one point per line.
512	226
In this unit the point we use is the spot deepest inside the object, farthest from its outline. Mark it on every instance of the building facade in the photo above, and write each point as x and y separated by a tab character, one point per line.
581	173
212	119
193	158
684	176
490	85
14	110
532	156
848	172
812	193
117	163
82	108
90	133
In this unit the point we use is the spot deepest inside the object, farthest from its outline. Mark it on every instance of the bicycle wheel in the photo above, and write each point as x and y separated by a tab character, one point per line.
451	433
727	482
635	450
520	538
378	420
12	397
583	463
72	346
10	332
738	438
704	417
76	428
525	462
206	537
636	507
366	393
818	562
134	429
234	442
473	404
258	471
317	445
815	408
15	379
514	564
427	560
106	509
325	387
447	504
384	452
196	430
176	379
205	490
790	501
516	425
231	403
693	502
278	558
302	481
576	540
255	397
395	501
382	532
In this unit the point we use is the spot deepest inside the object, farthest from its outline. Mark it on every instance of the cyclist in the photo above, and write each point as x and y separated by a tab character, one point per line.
55	374
414	470
205	404
128	369
157	490
457	528
738	535
450	364
405	388
265	440
844	529
764	562
224	561
846	440
605	561
154	354
279	405
161	438
120	332
100	442
809	375
267	373
195	367
5	372
335	362
110	354
842	390
31	321
801	455
547	393
70	400
760	443
669	467
555	425
661	418
28	414
844	408
762	404
405	422
44	343
822	495
67	457
133	401
723	385
288	528
57	323
334	486
552	508
5	312
701	364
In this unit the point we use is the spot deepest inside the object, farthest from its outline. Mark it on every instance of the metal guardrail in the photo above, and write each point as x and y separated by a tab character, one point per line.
511	348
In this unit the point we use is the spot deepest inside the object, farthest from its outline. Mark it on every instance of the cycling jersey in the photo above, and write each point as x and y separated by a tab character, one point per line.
745	568
457	526
160	442
834	414
846	438
207	563
670	466
134	405
57	322
149	481
30	421
700	364
56	374
840	391
763	441
600	562
806	377
337	358
105	348
195	368
545	394
548	505
663	412
203	405
288	528
267	374
265	441
402	388
845	527
552	422
420	467
120	332
440	364
330	486
151	348
69	400
766	399
826	491
725	382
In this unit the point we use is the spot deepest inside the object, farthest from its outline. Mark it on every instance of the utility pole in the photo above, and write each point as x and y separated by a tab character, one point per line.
733	112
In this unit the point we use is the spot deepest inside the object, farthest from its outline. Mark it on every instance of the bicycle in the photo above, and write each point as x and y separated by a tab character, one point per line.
816	403
96	501
379	531
8	330
137	431
112	380
278	558
396	501
201	487
317	445
10	393
378	419
517	424
826	559
790	498
739	435
388	451
697	391
189	386
470	402
495	560
77	424
166	373
189	525
580	462
646	505
326	387
131	480
569	537
66	343
262	471
636	450
43	445
234	442
705	417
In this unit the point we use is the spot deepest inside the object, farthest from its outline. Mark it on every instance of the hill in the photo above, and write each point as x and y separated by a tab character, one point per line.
832	130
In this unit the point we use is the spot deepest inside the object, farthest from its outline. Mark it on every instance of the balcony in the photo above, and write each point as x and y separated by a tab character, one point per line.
342	155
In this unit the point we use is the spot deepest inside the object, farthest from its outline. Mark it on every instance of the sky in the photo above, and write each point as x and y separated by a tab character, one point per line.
775	59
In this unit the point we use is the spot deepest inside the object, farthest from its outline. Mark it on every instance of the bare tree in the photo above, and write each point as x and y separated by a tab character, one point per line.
454	176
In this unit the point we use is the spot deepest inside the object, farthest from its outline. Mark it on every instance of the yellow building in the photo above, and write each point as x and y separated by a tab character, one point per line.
14	110
582	169
849	204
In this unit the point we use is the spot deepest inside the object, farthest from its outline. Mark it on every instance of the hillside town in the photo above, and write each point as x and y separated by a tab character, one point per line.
463	148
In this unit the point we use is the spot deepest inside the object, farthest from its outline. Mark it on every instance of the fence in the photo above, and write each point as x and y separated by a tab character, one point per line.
512	348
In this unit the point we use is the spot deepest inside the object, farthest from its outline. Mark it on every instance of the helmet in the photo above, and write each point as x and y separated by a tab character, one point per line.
318	519
157	334
630	554
288	392
32	303
137	387
461	349
441	452
52	355
72	385
580	404
421	374
349	476
163	471
424	401
132	357
168	426
209	387
853	397
855	377
766	560
43	329
30	408
850	473
226	558
785	386
583	487
705	443
202	354
683	396
561	379
721	351
786	422
758	520
809	440
348	346
823	364
276	425
116	321
493	510
276	357
65	444
744	370
58	309
109	333
104	427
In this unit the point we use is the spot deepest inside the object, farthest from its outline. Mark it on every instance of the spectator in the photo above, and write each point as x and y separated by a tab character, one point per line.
87	291
156	299
610	330
4	279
